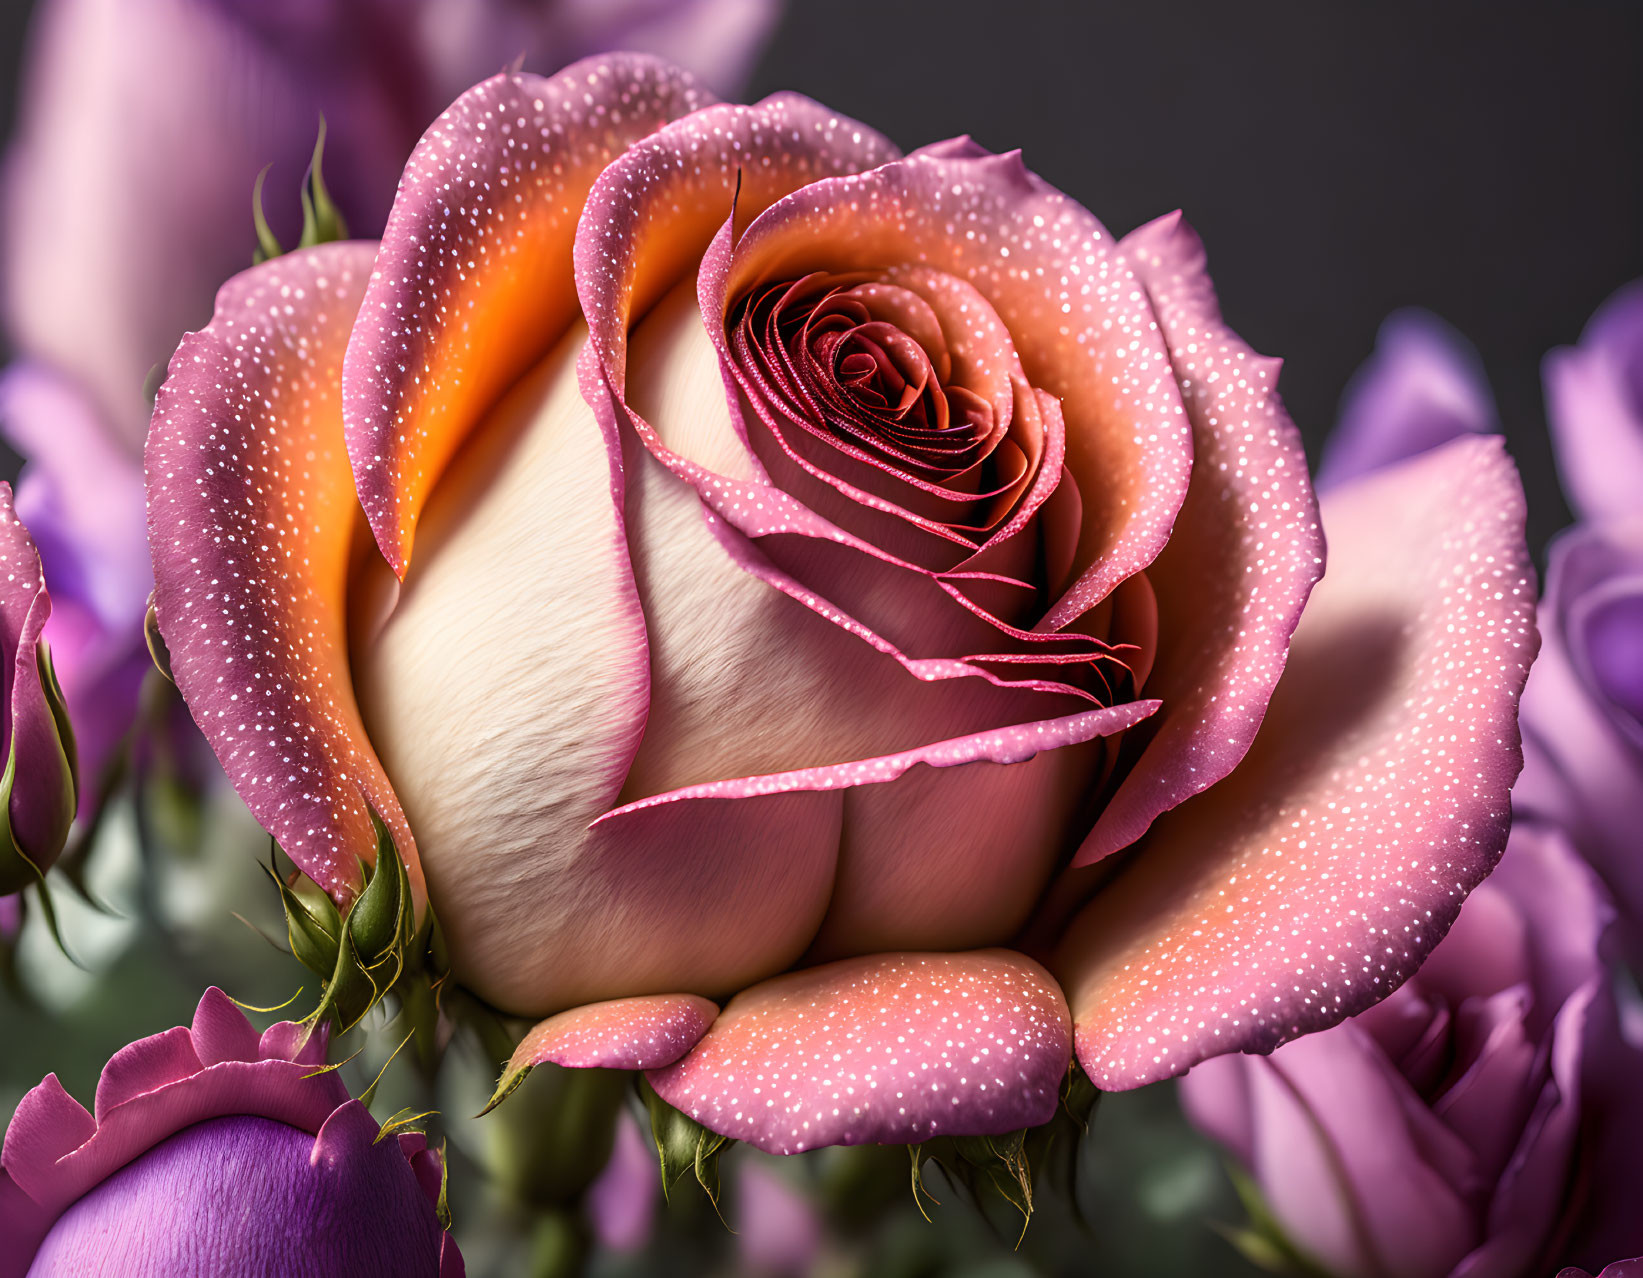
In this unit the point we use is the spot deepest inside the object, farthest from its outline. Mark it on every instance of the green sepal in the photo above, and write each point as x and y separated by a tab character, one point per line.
506	1086
987	1167
313	927
322	221
442	1209
401	1121
267	245
1052	1150
684	1145
158	652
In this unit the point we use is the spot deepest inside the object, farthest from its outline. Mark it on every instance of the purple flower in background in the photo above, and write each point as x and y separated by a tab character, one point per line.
1583	707
1423	386
126	203
212	1149
1594	399
1480	1121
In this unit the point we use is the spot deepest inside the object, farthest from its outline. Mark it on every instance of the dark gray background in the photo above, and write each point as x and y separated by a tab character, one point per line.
1340	159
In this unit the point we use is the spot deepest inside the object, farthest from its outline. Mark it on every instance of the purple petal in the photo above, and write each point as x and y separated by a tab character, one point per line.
1594	401
1423	386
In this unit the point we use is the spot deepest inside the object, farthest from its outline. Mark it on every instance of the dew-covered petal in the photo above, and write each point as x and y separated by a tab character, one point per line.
884	1049
1315	879
473	283
1241	560
252	516
647	1032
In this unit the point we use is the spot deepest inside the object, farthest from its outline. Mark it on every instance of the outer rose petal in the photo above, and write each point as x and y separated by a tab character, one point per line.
1242	558
468	293
1317	877
888	1049
251	518
625	1033
1423	386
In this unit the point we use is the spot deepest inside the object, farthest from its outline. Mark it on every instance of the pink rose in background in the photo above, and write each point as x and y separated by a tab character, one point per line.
37	775
127	194
1482	1121
803	569
214	1149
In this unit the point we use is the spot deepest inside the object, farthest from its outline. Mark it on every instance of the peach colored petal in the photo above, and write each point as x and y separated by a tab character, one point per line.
625	1033
886	1049
251	519
1314	880
473	285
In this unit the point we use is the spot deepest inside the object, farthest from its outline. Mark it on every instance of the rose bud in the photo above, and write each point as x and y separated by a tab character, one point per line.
803	571
212	1149
37	788
1594	402
1479	1121
122	215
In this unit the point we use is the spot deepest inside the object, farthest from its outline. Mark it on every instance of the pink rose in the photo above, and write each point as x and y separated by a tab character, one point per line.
803	570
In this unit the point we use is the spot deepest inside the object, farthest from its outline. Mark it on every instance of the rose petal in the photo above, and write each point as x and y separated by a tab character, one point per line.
623	1033
1594	402
251	518
1083	331
1241	561
1316	878
1423	386
470	292
886	1049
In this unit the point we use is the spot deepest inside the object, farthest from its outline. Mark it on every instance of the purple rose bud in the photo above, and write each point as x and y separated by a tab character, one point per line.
37	788
1475	1122
212	1149
1594	398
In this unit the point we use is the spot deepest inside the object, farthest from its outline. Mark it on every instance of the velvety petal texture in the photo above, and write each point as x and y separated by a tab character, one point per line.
891	1049
1313	881
214	1149
1459	1126
251	517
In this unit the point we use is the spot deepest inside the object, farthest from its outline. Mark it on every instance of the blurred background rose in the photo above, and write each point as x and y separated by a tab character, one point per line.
1498	186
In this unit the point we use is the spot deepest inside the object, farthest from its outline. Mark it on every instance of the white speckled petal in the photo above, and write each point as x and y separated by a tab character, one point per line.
473	283
251	516
1241	561
888	1049
1312	881
624	1033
